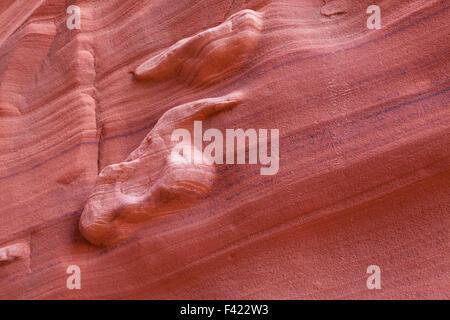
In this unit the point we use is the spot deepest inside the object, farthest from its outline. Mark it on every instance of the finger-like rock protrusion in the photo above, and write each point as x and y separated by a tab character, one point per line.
209	55
151	183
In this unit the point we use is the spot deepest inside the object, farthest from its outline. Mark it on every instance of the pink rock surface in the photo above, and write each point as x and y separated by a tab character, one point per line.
364	173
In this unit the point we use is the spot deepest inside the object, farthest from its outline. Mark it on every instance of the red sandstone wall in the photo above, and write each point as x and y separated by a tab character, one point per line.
364	173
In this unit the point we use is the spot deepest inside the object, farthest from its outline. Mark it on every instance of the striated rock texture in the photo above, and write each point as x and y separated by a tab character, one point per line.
85	178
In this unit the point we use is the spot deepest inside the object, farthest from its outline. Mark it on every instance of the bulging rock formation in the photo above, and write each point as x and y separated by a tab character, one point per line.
152	183
209	55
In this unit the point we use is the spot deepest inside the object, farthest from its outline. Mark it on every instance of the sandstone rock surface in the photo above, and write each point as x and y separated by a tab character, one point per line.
364	124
